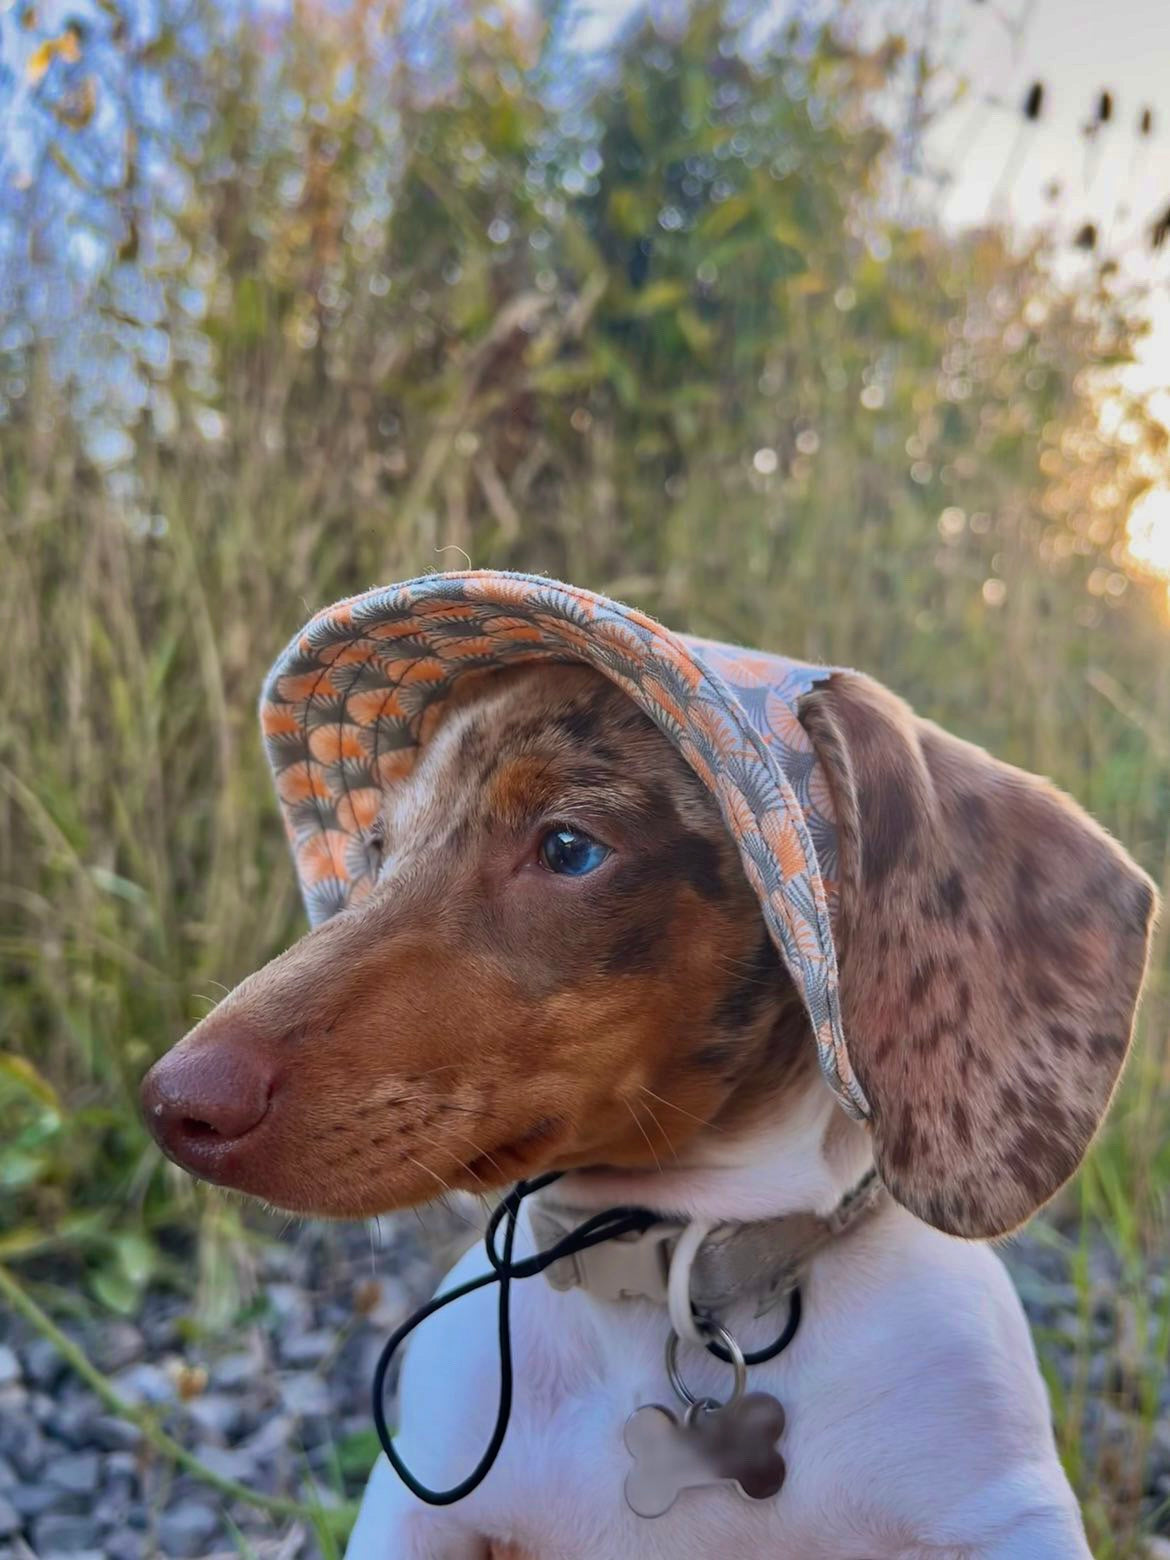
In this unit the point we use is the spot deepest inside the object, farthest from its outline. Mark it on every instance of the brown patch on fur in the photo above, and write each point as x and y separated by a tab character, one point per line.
477	1018
990	1041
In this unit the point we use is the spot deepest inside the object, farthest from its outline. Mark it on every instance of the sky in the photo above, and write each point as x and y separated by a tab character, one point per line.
1115	179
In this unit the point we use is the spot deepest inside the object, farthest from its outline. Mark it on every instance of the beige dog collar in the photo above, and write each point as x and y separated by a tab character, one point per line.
758	1261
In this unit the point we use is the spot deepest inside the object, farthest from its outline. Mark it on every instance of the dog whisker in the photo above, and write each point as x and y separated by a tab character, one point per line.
702	1121
645	1134
662	1132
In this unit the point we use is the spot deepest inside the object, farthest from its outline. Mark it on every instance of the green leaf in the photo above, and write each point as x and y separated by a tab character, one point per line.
115	1291
789	261
658	296
19	1169
137	1257
698	333
122	888
727	215
629	212
357	1453
18	1070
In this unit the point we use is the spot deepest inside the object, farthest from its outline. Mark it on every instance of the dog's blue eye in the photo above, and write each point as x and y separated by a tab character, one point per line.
571	853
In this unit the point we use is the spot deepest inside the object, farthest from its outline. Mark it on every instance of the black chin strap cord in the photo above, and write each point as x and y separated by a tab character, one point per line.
604	1226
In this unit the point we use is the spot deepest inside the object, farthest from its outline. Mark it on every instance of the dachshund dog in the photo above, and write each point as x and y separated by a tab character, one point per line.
562	966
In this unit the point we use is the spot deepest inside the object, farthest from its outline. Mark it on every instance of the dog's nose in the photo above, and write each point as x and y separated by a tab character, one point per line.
200	1100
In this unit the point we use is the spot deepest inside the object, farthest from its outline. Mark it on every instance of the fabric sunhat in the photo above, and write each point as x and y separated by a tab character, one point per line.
355	694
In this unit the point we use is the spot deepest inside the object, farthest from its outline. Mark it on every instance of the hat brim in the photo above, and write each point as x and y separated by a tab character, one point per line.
355	694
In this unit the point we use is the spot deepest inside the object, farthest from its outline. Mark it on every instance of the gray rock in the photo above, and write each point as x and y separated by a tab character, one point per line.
72	1422
32	1500
7	1474
10	1519
144	1383
27	1451
305	1394
289	1305
42	1407
10	1368
43	1365
125	1544
307	1348
110	1434
238	1463
232	1372
121	1344
121	1465
187	1529
218	1415
161	1333
274	1437
55	1535
79	1474
14	1405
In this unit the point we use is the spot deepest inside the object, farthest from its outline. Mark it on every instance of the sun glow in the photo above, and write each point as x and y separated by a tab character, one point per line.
1149	532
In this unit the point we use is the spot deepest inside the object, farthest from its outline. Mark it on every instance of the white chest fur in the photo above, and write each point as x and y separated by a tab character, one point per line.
917	1422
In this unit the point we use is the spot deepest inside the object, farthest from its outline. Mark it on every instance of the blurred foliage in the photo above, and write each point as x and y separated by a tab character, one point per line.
296	301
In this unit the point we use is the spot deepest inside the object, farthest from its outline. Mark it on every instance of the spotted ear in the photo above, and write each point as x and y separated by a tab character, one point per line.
993	942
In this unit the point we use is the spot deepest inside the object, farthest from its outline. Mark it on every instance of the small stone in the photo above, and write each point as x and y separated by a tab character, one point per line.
43	1364
238	1463
307	1348
273	1438
125	1544
305	1394
55	1535
186	1529
233	1371
122	1465
10	1370
10	1519
72	1422
111	1434
161	1333
33	1499
76	1475
28	1451
288	1304
219	1416
14	1406
144	1383
43	1407
120	1345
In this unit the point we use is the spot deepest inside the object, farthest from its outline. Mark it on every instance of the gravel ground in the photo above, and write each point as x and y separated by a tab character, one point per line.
289	1392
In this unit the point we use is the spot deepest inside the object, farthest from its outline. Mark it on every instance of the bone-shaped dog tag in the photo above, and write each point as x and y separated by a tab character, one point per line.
734	1444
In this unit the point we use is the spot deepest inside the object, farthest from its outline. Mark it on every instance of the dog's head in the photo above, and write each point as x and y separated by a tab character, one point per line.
563	965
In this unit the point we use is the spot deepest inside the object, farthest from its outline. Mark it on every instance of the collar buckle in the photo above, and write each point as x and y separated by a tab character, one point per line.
634	1266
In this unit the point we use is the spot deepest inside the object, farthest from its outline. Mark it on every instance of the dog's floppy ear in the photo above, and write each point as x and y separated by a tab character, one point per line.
993	941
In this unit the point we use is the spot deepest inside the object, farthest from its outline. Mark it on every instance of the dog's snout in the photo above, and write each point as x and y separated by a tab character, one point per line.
201	1100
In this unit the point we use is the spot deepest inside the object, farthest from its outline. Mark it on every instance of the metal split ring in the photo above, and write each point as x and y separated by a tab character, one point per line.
735	1358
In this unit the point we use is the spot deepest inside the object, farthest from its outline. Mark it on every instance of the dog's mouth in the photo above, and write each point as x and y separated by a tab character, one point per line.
226	1119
